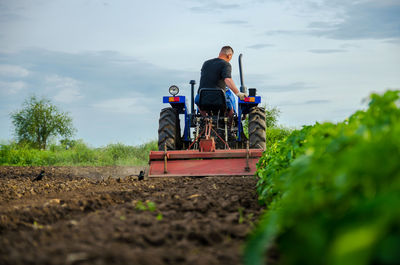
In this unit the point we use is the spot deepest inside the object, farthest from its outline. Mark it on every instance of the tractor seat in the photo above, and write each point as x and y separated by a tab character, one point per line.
212	100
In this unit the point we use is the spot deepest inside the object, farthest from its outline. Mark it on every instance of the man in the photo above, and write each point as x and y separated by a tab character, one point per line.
216	73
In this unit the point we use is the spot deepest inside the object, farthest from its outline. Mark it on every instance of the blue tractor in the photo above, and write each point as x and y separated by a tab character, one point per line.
213	136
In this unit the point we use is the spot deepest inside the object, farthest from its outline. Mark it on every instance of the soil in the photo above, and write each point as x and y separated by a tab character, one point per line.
105	215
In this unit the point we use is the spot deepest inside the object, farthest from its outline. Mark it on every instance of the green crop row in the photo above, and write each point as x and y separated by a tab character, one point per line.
76	153
332	191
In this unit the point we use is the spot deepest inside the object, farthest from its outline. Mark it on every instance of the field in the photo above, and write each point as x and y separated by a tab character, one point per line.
327	193
104	215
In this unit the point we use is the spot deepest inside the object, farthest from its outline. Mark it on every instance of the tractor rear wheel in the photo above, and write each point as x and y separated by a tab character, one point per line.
257	128
169	130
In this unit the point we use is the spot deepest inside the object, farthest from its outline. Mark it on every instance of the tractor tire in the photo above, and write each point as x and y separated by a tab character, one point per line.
257	128
169	130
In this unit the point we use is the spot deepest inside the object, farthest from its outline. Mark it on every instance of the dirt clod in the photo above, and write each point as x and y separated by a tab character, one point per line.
103	215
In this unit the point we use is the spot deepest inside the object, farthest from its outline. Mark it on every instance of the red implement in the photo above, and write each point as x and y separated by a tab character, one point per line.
238	162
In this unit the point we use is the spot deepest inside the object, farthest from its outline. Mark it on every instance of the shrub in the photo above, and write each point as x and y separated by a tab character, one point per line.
275	134
332	191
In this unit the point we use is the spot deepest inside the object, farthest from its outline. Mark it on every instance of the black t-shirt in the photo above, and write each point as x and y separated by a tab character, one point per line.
214	72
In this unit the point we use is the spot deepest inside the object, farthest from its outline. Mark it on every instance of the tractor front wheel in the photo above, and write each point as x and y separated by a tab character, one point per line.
169	130
257	128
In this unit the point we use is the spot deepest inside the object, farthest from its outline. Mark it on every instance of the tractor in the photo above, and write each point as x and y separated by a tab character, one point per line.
212	142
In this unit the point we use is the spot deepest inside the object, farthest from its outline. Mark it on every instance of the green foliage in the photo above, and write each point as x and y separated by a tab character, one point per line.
245	218
38	120
271	120
141	206
159	217
271	116
149	206
75	153
333	191
275	134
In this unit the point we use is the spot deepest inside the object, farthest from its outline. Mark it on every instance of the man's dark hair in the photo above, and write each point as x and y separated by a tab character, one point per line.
227	50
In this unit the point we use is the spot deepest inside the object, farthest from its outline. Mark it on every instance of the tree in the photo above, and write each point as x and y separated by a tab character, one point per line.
39	120
271	118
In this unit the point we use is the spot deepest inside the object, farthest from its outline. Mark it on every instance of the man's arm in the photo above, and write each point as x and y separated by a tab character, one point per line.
229	82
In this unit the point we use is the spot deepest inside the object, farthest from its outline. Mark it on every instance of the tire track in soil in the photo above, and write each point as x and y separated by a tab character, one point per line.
84	216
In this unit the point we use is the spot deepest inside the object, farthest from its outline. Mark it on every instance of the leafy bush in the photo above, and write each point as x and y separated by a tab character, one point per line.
271	119
333	191
275	134
39	120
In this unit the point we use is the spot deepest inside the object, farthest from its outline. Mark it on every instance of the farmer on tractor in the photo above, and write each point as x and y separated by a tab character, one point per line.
213	142
216	73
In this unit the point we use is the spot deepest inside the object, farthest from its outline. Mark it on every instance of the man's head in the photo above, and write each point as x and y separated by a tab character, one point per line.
226	53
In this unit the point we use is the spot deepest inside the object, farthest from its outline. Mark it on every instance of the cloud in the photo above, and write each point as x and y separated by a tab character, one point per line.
10	88
321	25
363	20
99	74
288	87
104	91
131	105
317	101
349	45
308	102
352	21
61	82
285	32
260	46
13	71
393	41
67	89
9	11
235	22
324	51
68	95
213	6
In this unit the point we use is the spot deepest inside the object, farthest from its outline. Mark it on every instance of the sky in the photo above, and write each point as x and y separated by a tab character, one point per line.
108	63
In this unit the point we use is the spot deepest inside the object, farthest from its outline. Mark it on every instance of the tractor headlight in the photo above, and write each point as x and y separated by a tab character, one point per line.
173	90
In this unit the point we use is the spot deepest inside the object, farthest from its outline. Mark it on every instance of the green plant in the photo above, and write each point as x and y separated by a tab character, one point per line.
149	206
141	206
332	191
245	218
38	120
78	153
275	134
271	119
159	217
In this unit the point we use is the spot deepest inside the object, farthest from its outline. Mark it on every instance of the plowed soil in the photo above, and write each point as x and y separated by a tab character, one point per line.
92	215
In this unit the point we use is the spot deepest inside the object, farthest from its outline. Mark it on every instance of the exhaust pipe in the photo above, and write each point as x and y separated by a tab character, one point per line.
192	83
243	88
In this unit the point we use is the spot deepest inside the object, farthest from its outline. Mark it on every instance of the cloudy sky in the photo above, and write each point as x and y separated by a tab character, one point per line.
108	63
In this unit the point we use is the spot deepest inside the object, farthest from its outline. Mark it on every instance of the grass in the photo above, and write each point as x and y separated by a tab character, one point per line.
76	154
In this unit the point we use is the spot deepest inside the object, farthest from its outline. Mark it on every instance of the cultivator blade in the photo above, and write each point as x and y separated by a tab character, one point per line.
239	162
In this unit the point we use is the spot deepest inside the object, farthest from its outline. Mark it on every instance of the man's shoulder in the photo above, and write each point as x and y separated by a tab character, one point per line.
213	60
216	61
